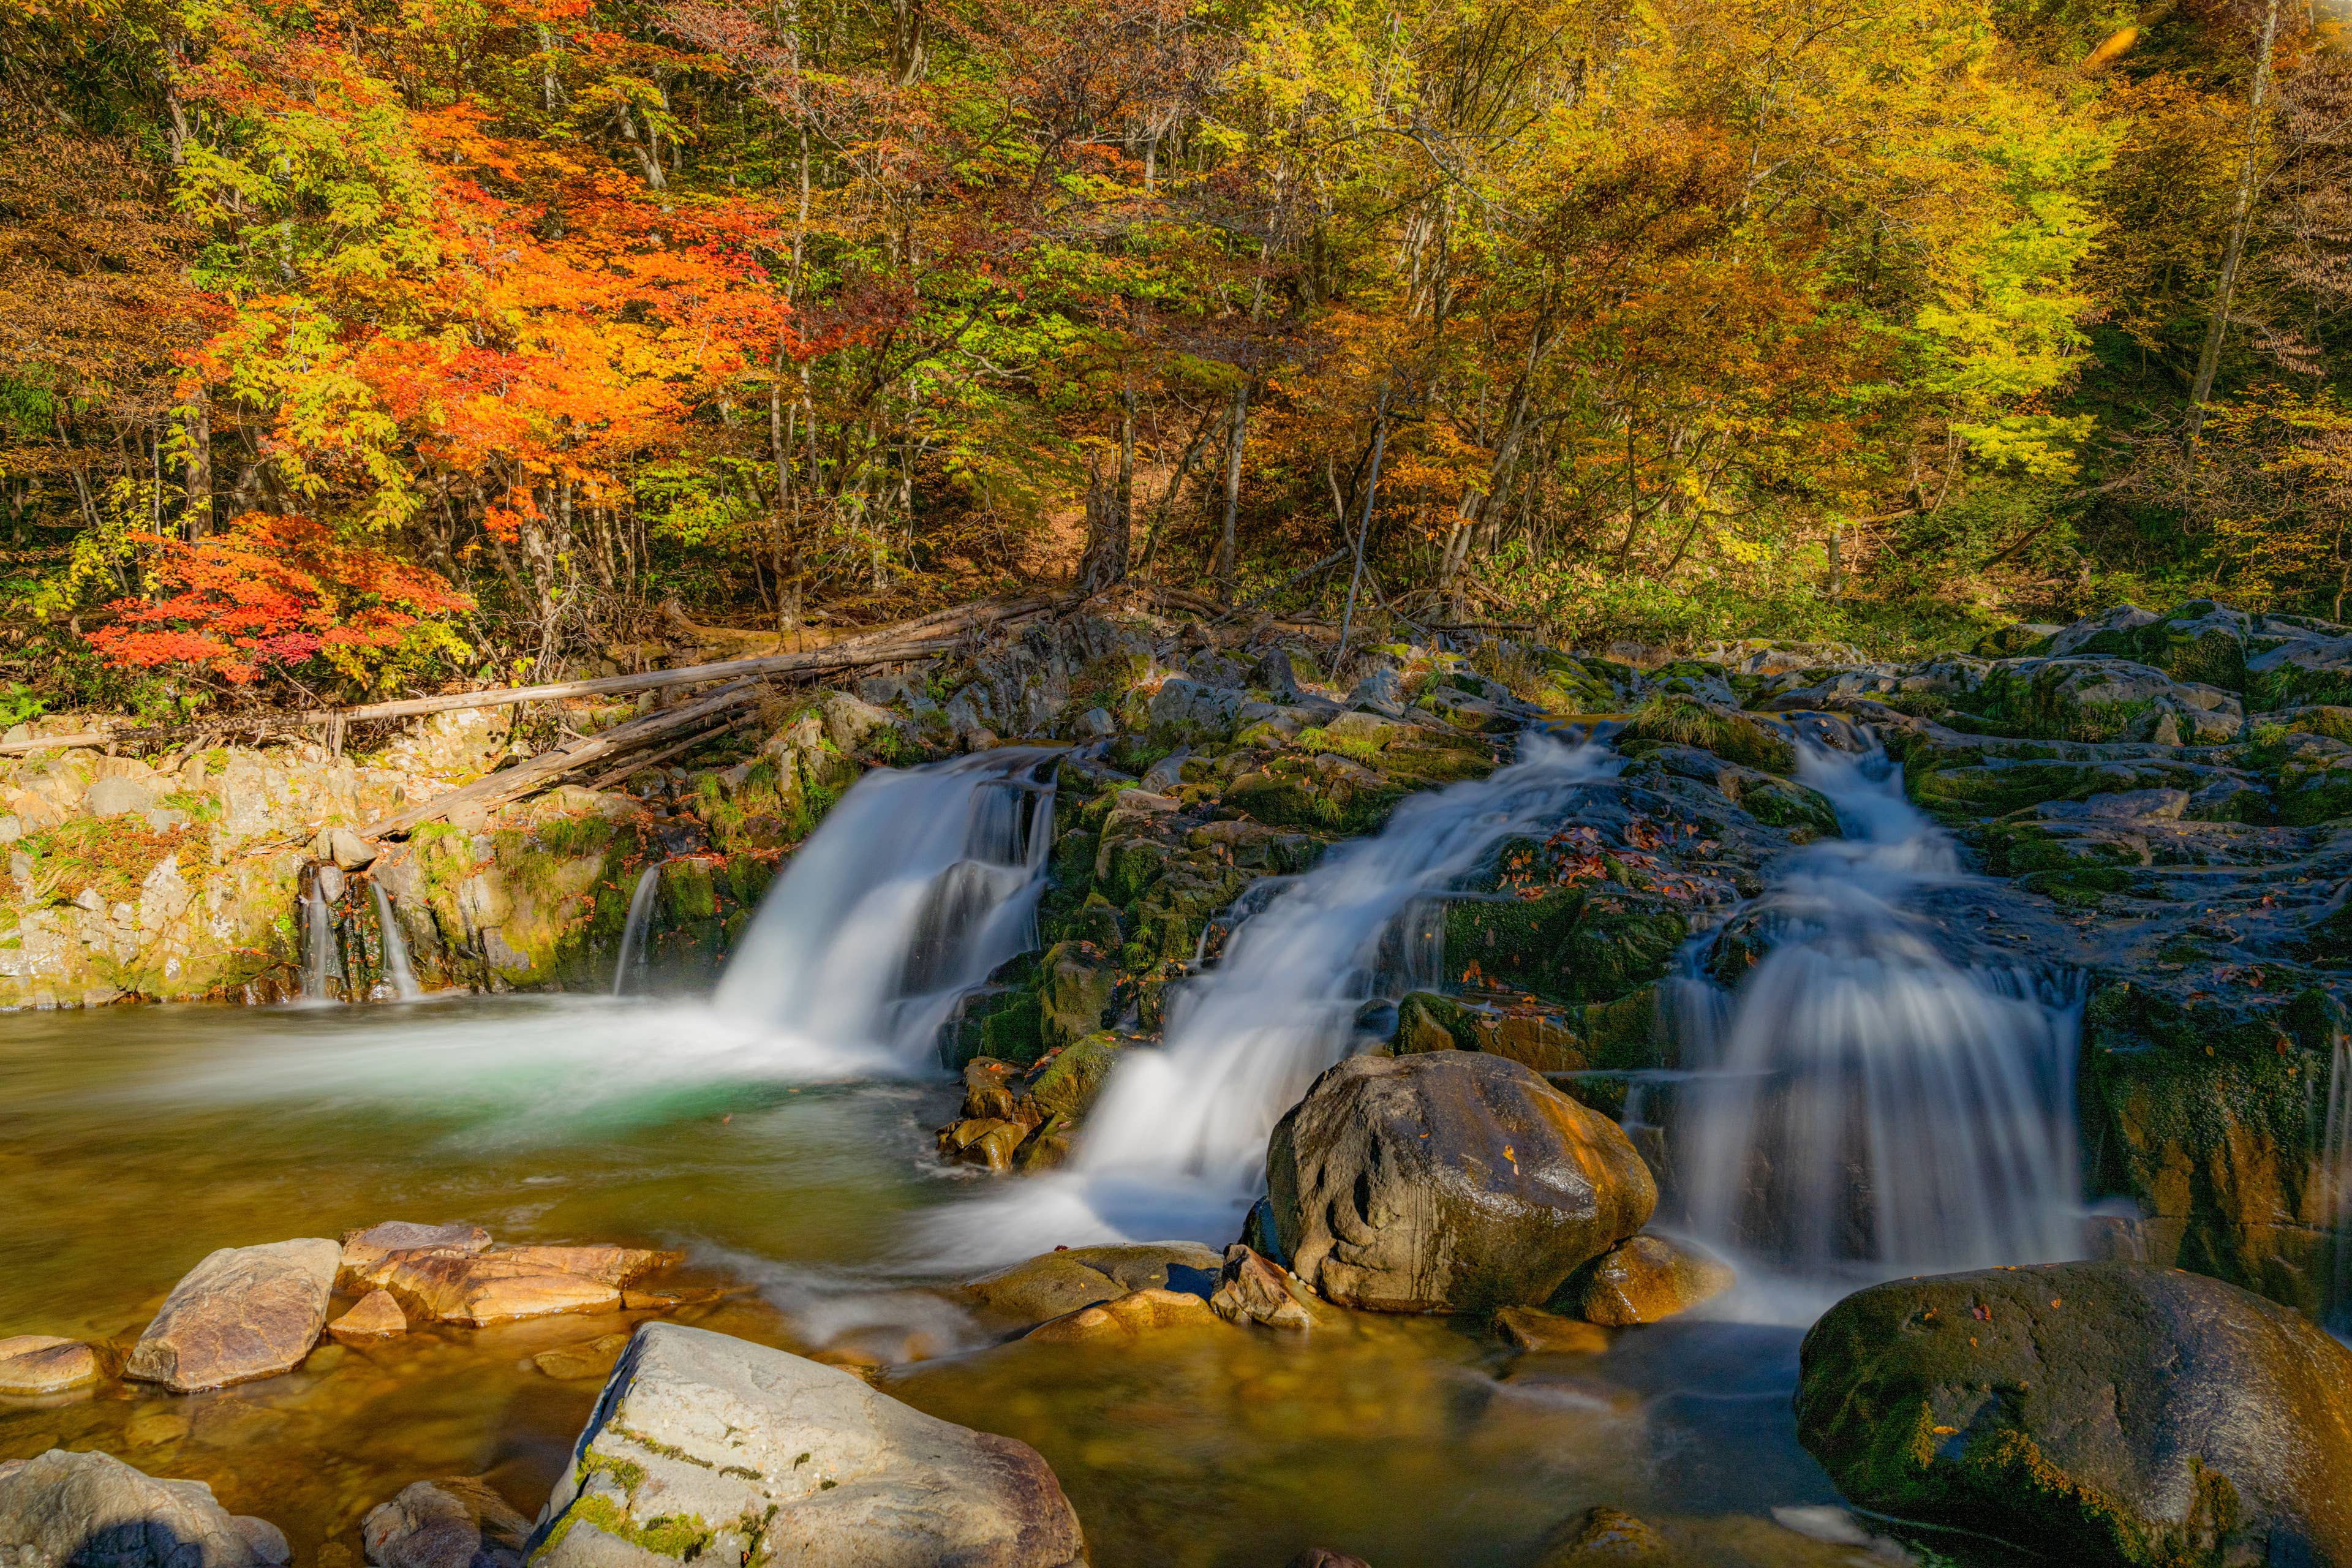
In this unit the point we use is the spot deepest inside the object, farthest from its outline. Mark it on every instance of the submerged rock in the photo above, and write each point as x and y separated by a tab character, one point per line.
1449	1182
705	1448
1647	1279
1055	1284
244	1312
454	1523
2112	1413
1608	1538
376	1317
595	1359
92	1510
1534	1329
41	1363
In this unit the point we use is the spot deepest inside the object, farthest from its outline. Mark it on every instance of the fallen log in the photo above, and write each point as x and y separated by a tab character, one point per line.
606	781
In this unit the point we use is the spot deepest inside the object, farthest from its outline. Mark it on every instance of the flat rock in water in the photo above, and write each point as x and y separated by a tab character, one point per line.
480	1288
1454	1181
92	1510
724	1445
1130	1317
376	1317
453	1522
40	1363
1534	1329
2105	1412
365	1252
595	1359
1055	1284
244	1312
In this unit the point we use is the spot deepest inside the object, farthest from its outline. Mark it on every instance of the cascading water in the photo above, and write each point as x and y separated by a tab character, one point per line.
1176	1146
1869	1108
321	957
2334	1179
633	933
918	884
397	974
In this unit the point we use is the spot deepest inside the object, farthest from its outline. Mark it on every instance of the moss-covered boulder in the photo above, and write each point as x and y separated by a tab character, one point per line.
2104	699
1736	737
1075	983
1449	1182
2102	1413
1590	943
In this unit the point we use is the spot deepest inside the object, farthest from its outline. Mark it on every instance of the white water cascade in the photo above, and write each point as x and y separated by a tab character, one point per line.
397	972
1865	1108
918	884
633	932
322	961
1176	1146
2333	1178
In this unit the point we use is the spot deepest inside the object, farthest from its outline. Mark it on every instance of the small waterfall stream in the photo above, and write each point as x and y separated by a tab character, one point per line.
918	884
633	932
1865	1107
322	962
1176	1146
397	972
2335	1180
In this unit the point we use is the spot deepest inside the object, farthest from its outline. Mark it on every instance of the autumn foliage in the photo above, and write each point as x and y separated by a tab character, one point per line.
273	593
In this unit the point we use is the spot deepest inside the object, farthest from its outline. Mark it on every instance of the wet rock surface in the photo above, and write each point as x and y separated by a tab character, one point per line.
32	1364
2113	1412
454	1523
1455	1182
244	1312
713	1444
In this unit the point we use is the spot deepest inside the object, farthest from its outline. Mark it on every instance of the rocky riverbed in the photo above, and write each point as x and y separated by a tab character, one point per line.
1494	1203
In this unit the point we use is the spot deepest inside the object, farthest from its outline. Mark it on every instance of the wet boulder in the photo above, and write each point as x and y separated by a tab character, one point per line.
1449	1182
1129	1318
83	1509
244	1312
453	1522
714	1448
481	1288
1190	712
1076	981
1054	1284
1647	1279
364	1251
1254	1288
2106	1413
376	1317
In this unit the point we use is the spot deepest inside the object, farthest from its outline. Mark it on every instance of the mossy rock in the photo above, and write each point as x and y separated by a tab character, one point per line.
1725	732
1573	945
1067	1085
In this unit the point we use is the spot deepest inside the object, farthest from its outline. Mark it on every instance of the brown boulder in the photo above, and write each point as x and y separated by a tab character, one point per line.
1254	1288
244	1312
365	1252
480	1288
1535	1331
1130	1317
457	1522
1647	1279
1451	1181
1055	1284
34	1364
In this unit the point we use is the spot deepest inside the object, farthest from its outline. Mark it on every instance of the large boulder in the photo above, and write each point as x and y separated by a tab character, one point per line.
1451	1181
1187	712
705	1448
244	1312
2107	1413
92	1510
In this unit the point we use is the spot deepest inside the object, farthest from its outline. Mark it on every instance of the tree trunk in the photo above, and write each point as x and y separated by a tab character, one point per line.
197	470
2208	361
1225	544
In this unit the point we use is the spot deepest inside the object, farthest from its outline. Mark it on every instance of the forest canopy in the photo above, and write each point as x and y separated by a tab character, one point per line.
354	347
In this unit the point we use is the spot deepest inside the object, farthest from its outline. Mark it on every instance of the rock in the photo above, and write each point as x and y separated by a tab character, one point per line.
2162	805
1166	776
983	1141
1252	1288
480	1288
849	722
1056	1283
244	1312
1187	712
1129	1317
2108	1412
1278	676
2118	625
1324	1557
92	1510
1452	1182
721	1446
1647	1279
1382	692
39	1363
454	1523
12	827
1537	1331
365	1251
595	1359
1074	991
1067	1085
343	847
118	797
1608	1538
1094	724
376	1317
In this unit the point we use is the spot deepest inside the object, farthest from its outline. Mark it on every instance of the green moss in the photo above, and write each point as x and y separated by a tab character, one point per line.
1729	735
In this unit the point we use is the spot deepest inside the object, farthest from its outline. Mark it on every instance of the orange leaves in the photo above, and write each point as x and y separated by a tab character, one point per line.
273	592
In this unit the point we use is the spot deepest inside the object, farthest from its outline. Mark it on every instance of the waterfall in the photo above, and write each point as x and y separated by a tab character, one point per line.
1176	1146
321	958
633	933
917	885
2335	1178
396	971
1869	1108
